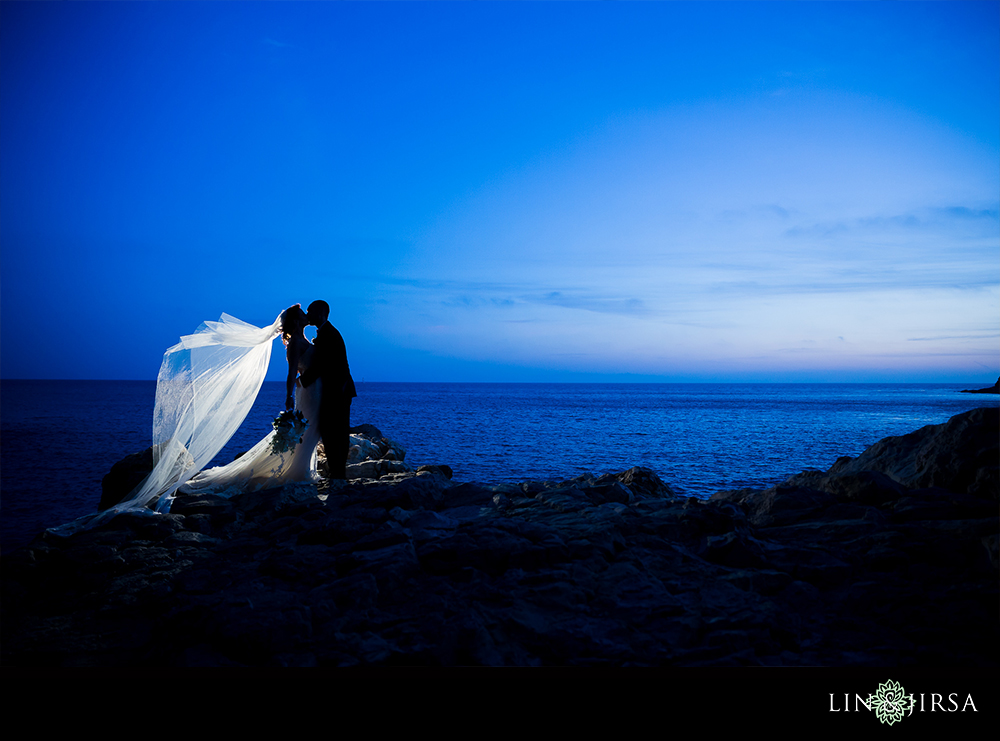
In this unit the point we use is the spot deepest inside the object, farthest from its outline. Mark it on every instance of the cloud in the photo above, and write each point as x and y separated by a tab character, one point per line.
849	280
953	337
475	294
598	304
963	212
454	285
775	209
471	302
930	218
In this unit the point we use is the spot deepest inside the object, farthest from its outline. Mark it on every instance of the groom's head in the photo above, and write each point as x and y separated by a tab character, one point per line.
318	313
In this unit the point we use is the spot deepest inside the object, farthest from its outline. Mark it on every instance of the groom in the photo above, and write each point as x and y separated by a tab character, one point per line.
330	364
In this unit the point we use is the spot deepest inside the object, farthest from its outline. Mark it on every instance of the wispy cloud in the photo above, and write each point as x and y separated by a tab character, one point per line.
937	338
934	217
847	281
598	304
472	302
477	294
962	212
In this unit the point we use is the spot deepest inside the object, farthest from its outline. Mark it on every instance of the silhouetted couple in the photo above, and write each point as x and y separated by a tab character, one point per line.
329	366
318	389
208	383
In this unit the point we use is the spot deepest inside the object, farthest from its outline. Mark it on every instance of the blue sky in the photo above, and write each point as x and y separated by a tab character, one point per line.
507	192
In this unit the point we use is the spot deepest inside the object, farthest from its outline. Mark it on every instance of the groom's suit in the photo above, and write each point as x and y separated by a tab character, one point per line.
329	363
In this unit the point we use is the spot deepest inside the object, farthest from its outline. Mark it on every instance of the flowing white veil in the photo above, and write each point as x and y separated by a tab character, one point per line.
206	387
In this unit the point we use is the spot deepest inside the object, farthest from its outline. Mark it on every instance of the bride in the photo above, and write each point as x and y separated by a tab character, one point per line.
206	386
262	466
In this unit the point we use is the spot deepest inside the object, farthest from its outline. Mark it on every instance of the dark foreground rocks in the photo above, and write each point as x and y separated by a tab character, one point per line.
889	559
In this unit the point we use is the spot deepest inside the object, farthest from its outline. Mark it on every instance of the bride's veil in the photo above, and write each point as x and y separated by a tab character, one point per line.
206	387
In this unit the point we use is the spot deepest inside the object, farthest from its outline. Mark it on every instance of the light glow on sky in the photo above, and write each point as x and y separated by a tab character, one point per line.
508	192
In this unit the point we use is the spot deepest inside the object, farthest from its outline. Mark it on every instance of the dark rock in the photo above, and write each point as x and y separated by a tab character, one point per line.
373	456
376	469
960	455
440	470
645	483
124	477
370	431
864	487
994	389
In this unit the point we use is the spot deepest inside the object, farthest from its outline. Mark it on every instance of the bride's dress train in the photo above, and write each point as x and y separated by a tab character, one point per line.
260	467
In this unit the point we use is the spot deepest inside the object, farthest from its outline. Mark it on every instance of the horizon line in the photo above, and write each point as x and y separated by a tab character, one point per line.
549	383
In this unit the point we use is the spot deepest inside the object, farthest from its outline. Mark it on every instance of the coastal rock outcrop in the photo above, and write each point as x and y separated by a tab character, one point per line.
994	389
372	455
124	477
888	565
959	455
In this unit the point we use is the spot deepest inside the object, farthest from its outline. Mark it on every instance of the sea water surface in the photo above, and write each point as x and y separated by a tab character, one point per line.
59	438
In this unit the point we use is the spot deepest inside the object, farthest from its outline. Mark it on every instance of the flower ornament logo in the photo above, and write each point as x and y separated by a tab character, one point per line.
890	702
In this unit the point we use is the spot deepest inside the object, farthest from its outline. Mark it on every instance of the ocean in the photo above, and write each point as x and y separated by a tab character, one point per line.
59	438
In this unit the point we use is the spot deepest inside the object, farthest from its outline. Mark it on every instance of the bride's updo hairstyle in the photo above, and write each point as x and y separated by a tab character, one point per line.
291	321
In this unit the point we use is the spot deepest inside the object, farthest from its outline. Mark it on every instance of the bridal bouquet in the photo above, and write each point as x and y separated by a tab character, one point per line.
288	430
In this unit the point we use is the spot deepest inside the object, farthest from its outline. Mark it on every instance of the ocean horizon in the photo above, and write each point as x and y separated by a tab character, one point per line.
59	438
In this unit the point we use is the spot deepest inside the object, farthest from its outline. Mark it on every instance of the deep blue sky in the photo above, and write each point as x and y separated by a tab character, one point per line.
494	192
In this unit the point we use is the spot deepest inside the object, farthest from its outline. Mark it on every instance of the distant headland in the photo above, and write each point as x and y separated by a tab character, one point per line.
994	389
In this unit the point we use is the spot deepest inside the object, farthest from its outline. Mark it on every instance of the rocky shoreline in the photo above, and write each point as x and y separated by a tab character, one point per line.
887	559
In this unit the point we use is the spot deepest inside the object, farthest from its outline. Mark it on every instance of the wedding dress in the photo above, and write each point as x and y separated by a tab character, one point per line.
206	386
260	467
